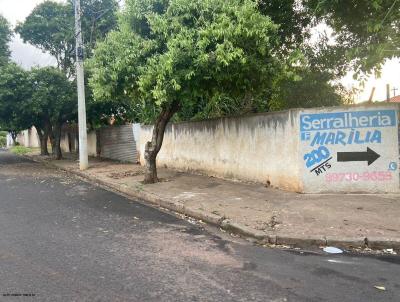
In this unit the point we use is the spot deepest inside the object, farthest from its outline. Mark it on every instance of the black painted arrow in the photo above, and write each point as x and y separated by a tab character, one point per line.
370	156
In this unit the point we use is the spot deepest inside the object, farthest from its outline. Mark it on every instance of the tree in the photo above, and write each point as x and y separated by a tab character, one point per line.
367	30
310	89
50	27
98	18
15	92
52	104
43	97
293	20
311	69
167	54
5	37
312	80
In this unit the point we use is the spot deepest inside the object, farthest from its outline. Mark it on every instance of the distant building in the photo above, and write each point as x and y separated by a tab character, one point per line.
395	99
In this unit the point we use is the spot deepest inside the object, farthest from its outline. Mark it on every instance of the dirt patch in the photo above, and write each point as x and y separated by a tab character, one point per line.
119	175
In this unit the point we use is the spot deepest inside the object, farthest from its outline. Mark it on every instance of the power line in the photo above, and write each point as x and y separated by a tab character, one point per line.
104	11
389	11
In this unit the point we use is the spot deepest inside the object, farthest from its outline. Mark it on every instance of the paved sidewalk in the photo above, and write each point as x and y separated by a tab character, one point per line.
268	215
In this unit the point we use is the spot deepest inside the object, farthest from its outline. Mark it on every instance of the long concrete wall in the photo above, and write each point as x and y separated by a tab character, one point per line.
347	149
259	148
29	138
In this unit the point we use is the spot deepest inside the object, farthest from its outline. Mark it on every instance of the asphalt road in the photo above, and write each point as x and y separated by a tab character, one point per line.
65	240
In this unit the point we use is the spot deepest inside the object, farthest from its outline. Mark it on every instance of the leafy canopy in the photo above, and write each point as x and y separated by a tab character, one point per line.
368	30
50	27
210	52
53	96
293	20
5	37
15	94
34	97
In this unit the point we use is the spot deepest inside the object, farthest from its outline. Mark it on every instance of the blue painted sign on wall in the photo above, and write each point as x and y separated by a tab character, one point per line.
324	132
345	120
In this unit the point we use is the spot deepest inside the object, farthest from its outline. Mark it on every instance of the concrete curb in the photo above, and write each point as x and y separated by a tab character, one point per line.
259	237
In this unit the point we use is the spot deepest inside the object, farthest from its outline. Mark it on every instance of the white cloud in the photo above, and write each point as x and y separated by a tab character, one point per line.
24	54
27	55
17	10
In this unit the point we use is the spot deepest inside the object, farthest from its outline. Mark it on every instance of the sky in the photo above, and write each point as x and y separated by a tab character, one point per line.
27	56
24	54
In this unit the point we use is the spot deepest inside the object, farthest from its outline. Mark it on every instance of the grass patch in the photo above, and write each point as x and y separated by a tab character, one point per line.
21	150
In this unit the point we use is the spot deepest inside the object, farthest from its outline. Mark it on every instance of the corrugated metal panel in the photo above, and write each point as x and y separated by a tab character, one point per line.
118	143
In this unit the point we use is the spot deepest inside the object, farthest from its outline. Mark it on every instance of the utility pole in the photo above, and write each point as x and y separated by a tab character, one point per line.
371	95
387	92
80	80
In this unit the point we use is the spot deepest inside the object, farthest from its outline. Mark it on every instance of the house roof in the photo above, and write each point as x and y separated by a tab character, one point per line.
395	99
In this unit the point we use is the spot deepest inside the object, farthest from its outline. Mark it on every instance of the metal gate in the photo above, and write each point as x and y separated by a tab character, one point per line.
118	143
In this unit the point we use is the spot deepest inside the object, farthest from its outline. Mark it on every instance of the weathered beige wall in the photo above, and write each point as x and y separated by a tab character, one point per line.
91	139
64	142
261	148
284	148
29	138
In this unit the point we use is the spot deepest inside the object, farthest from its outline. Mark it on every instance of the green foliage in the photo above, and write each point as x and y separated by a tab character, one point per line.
34	98
206	55
367	30
50	27
15	93
53	96
99	113
5	37
20	150
98	18
3	141
293	20
309	80
310	70
310	89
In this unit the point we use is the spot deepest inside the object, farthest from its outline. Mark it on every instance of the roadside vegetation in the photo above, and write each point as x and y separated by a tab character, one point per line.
3	139
21	150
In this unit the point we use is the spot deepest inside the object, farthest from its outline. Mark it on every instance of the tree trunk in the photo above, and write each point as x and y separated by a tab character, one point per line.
52	140
14	137
98	143
153	147
40	135
43	144
43	136
56	141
